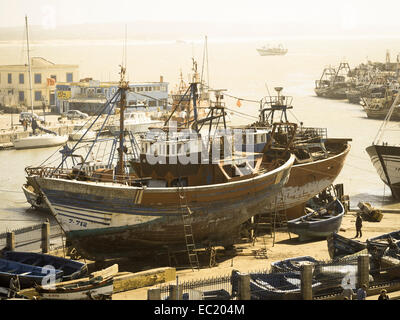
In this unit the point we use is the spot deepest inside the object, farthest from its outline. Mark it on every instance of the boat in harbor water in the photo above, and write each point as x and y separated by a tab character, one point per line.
272	51
333	83
40	140
146	207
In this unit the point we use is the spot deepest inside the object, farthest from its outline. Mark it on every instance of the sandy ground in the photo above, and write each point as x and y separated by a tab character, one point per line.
283	248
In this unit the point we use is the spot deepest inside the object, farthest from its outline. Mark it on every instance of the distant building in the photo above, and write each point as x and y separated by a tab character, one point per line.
14	82
90	96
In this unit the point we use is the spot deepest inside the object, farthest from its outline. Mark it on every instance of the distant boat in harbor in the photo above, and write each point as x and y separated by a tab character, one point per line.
272	51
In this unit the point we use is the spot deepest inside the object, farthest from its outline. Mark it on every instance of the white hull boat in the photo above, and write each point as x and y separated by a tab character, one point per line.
77	135
135	122
39	141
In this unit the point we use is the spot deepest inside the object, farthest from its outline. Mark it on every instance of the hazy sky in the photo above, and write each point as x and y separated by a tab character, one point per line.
347	14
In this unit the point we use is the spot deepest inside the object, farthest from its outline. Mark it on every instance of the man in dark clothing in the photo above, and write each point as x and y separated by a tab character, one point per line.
383	295
358	225
34	125
14	286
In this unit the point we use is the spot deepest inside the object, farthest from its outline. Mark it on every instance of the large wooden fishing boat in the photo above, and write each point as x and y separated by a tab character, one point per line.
147	207
318	159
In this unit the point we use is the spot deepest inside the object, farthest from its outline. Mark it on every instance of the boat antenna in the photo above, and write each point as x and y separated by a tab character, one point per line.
29	62
205	57
124	53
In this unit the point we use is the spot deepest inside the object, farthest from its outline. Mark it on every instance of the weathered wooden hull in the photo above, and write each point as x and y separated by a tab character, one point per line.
84	291
339	246
109	220
331	93
386	160
320	227
381	113
307	180
34	199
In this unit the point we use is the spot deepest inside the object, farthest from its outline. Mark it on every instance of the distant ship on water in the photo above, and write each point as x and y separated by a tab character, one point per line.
272	51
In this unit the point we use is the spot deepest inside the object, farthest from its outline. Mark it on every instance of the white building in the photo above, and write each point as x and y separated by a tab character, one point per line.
14	82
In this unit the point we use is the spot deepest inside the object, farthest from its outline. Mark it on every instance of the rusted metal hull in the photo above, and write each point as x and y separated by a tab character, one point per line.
112	220
307	180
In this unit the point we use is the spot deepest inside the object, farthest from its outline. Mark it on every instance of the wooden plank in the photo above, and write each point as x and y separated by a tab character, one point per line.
106	273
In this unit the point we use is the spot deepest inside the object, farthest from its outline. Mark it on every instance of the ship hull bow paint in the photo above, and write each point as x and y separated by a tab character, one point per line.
386	160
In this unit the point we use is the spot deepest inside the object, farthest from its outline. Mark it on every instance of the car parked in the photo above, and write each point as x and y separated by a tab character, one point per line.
28	117
75	114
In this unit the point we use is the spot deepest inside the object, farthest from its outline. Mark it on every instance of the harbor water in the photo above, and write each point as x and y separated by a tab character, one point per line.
233	65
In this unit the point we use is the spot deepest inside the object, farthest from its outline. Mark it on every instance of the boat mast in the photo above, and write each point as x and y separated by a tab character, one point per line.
29	63
123	86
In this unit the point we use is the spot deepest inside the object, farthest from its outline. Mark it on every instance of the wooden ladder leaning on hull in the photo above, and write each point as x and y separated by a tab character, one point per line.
187	229
279	217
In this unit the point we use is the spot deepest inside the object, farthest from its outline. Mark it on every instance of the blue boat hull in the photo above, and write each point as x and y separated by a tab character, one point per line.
320	227
28	275
71	269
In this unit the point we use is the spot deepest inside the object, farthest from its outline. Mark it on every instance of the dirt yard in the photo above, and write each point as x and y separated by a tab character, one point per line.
283	248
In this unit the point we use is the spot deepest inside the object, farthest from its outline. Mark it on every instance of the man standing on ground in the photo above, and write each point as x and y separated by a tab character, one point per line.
383	295
358	225
362	292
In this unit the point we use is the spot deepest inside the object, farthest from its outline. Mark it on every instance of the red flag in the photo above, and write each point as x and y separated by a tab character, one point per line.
51	82
238	103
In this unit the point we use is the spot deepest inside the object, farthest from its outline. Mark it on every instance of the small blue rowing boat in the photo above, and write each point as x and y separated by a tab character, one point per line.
28	275
292	264
318	224
71	269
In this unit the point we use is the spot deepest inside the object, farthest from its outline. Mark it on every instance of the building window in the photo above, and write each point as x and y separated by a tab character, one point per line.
9	78
21	96
21	78
38	95
38	78
69	77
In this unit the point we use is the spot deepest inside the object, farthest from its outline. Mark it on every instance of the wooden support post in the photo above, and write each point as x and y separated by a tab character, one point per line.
174	293
46	237
154	294
244	287
363	270
10	244
306	282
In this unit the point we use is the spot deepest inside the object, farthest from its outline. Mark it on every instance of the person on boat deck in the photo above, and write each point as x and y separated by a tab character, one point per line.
34	125
358	225
15	286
